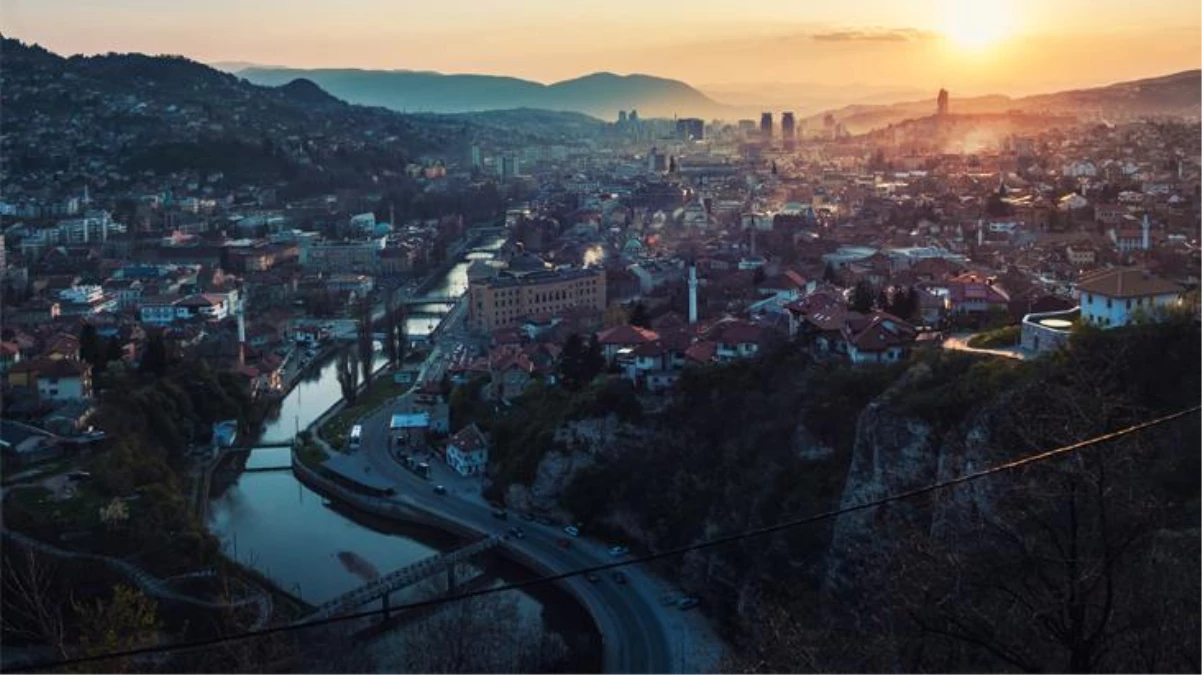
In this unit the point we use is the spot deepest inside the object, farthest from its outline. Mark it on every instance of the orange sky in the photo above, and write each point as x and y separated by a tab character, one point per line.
1015	47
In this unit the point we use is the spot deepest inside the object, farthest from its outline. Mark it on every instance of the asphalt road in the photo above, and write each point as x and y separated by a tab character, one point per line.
628	616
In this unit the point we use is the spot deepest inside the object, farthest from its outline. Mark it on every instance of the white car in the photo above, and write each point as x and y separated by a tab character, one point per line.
572	531
618	551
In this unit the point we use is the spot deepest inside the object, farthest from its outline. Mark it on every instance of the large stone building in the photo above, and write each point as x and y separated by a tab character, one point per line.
508	298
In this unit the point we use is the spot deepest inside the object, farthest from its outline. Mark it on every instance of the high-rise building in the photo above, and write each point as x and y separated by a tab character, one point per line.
788	130
690	129
766	126
476	161
621	118
509	167
941	103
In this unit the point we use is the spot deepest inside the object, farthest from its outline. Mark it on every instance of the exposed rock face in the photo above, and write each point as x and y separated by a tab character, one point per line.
892	453
595	436
555	472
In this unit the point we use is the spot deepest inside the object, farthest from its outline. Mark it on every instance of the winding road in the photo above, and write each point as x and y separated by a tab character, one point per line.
627	615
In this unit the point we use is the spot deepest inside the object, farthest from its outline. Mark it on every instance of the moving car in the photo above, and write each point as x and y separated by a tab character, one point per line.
620	577
517	533
439	490
593	578
563	543
618	551
687	603
501	514
572	531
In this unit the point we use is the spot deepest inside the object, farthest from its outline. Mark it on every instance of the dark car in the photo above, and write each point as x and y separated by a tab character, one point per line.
563	542
619	577
517	533
529	517
439	490
501	514
593	578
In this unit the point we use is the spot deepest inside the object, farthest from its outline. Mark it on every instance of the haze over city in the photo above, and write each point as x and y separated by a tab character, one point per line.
727	49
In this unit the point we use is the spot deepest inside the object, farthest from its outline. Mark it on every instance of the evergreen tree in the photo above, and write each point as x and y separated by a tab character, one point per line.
861	297
89	345
154	358
639	316
365	341
830	275
594	359
573	362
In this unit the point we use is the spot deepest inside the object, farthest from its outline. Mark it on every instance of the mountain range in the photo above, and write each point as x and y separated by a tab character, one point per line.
601	95
1175	95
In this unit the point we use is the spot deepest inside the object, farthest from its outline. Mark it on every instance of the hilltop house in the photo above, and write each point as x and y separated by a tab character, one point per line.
1116	297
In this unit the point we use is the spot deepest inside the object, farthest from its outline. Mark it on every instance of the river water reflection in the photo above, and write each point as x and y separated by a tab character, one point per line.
318	550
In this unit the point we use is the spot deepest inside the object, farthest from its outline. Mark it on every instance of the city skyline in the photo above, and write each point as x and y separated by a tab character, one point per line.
1011	48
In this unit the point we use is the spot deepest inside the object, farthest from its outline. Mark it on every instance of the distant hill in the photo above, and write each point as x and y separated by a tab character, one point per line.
600	94
1175	95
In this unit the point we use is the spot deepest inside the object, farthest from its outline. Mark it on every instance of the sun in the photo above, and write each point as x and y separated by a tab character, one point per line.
977	24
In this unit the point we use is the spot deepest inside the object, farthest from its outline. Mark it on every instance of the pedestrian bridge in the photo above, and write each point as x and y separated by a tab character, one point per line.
430	300
405	576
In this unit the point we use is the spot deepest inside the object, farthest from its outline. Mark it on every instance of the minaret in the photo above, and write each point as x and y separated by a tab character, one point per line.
692	292
241	331
1147	226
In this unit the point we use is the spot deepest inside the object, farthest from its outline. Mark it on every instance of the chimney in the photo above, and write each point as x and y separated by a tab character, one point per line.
692	292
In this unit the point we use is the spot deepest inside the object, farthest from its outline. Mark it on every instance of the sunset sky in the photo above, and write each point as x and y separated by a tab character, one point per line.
983	46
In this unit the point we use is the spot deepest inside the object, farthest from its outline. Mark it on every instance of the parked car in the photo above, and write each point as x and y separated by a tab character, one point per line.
517	533
79	475
572	531
528	517
620	577
439	490
687	603
593	578
618	551
563	543
542	520
501	514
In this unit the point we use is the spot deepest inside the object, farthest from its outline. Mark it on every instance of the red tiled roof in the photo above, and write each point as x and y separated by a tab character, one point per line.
1131	282
626	335
701	352
52	367
468	439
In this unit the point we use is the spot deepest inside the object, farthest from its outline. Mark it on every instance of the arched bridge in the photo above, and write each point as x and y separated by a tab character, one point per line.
405	576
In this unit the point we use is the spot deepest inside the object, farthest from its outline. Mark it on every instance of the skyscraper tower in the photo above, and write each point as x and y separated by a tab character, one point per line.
766	126
941	103
788	129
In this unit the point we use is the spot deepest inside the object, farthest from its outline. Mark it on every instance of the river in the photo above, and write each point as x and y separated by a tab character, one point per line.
273	523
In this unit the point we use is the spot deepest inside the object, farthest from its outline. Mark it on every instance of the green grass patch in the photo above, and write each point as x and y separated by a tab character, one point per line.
311	454
1002	337
382	389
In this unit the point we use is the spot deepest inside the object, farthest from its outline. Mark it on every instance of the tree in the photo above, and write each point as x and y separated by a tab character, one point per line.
32	607
154	357
366	346
594	359
861	297
829	274
572	362
348	373
129	620
395	340
639	316
89	345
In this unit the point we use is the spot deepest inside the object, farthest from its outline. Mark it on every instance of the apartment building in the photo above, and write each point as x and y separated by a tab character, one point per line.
507	299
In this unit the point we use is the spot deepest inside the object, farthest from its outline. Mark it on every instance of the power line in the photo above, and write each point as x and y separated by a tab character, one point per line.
680	550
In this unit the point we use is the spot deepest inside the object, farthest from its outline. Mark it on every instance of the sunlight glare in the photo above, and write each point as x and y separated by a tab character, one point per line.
978	24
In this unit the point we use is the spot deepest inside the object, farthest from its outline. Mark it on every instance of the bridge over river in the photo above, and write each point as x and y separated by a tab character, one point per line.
405	576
